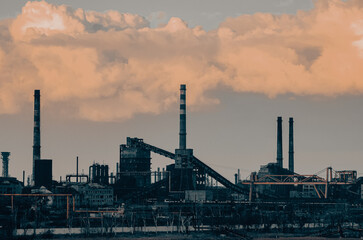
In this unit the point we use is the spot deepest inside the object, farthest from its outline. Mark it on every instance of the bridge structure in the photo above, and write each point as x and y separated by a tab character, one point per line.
195	162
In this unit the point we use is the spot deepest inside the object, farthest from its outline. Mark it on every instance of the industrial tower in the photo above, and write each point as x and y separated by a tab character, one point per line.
36	139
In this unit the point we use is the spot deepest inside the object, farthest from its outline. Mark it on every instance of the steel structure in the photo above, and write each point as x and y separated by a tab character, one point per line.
77	176
137	142
320	184
135	160
5	157
98	173
188	173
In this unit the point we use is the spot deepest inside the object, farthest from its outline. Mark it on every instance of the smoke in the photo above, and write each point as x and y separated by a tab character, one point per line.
110	66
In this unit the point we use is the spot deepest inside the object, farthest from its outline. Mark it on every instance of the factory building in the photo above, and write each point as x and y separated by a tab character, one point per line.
43	173
187	175
91	195
10	185
99	174
184	176
135	165
277	169
273	180
134	170
189	191
42	168
94	195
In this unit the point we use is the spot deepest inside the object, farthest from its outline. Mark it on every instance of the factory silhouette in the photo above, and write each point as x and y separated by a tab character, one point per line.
179	192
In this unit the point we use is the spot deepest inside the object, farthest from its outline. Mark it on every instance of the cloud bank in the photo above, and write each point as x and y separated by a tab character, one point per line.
110	66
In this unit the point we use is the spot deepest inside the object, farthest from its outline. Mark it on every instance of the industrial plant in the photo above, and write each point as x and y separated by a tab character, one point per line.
186	196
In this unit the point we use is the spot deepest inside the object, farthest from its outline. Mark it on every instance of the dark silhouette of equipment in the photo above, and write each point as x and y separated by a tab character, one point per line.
5	157
139	143
291	144
43	173
36	134
99	174
279	142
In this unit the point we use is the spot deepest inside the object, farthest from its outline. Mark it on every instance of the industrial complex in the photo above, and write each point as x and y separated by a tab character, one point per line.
187	195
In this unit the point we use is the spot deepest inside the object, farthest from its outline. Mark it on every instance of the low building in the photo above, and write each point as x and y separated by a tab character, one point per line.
198	195
91	195
10	185
96	195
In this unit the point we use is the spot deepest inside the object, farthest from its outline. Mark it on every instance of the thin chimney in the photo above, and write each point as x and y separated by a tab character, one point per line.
182	133
291	144
36	139
77	169
279	142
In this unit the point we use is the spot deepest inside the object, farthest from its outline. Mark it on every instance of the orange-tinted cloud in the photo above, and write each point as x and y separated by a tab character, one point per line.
110	66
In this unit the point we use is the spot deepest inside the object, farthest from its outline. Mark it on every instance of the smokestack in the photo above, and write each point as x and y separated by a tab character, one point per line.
183	132
23	178
279	142
5	157
36	139
291	144
77	169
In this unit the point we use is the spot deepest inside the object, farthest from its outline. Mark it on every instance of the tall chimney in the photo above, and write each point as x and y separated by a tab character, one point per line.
291	144
36	139
279	142
77	169
5	157
183	132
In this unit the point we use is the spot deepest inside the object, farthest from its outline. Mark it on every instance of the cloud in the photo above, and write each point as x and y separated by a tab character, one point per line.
44	19
111	66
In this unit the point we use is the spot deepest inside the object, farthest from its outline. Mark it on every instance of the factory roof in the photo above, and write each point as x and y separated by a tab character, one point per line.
9	180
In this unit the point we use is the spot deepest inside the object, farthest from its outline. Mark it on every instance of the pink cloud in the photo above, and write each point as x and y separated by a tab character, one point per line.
110	66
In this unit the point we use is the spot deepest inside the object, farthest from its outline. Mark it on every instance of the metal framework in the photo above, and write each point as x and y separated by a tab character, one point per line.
77	176
314	180
137	142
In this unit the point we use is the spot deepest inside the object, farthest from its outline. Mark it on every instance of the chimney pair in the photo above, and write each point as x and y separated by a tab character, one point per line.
279	157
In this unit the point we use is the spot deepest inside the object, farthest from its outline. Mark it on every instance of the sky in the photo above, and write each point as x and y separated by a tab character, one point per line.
108	70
